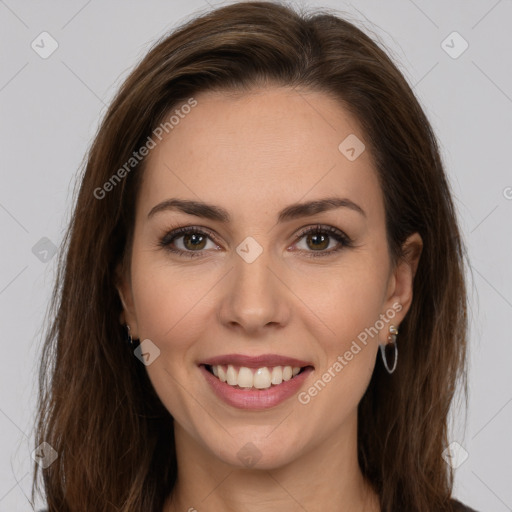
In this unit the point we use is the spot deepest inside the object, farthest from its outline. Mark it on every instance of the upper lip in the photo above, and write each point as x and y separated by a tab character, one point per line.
255	361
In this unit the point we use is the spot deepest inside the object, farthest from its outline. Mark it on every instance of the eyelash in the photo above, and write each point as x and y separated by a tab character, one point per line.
338	235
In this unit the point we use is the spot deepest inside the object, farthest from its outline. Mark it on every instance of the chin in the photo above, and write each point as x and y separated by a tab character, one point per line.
250	452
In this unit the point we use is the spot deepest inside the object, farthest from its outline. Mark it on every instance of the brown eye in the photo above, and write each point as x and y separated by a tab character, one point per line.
194	241
318	239
187	241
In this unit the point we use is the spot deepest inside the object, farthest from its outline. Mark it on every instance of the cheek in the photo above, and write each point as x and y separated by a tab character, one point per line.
349	307
342	301
170	312
166	298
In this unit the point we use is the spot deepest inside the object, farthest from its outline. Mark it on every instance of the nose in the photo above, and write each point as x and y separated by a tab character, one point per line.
255	297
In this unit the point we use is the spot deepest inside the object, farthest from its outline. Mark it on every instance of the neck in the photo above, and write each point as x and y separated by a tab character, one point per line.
327	477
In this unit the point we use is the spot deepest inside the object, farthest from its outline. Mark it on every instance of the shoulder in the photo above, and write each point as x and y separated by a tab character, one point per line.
460	507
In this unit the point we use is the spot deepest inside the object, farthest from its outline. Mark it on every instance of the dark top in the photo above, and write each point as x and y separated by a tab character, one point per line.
460	507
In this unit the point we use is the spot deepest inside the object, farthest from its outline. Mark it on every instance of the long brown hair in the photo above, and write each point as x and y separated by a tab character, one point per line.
98	409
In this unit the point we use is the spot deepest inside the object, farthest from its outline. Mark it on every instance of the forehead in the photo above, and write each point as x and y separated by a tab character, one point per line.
269	148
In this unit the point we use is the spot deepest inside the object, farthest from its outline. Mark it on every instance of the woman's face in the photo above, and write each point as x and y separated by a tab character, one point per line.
253	284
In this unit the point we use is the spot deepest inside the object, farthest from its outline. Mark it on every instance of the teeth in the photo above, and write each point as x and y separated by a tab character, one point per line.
287	372
259	378
232	376
221	372
245	379
277	375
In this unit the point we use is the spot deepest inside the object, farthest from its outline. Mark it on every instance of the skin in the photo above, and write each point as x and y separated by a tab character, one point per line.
253	154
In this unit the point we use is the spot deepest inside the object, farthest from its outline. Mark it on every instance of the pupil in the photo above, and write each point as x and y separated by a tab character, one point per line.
195	239
316	238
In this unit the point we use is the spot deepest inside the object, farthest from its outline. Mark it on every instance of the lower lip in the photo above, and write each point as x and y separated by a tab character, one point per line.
256	398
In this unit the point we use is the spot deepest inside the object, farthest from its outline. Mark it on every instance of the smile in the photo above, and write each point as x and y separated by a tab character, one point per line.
277	384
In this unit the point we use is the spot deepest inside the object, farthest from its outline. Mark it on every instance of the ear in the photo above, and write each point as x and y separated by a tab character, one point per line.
124	289
400	288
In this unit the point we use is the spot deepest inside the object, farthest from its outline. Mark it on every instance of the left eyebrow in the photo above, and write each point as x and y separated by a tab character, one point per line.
293	211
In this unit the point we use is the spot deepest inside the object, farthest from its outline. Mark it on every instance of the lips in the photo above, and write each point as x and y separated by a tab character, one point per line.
268	360
256	399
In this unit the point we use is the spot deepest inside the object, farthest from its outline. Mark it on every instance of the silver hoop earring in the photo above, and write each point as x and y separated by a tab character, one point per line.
393	331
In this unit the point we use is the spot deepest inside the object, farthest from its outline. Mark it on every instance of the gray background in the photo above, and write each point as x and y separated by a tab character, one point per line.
50	109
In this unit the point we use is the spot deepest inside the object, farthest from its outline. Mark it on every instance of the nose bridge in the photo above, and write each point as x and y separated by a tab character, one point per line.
255	297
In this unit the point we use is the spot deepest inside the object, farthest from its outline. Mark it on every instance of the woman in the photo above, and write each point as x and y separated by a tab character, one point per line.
264	218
